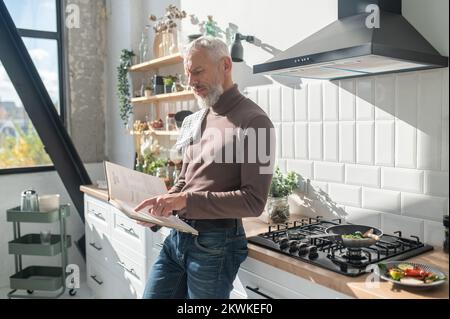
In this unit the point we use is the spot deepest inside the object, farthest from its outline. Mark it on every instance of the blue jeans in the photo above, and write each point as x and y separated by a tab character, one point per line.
197	267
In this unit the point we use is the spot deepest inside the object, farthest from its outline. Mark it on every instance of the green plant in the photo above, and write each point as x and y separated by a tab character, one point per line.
283	184
123	85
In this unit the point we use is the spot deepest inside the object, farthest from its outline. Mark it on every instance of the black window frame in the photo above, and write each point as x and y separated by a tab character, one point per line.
57	35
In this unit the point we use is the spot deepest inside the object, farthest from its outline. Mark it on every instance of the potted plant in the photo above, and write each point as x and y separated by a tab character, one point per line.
123	85
148	91
282	186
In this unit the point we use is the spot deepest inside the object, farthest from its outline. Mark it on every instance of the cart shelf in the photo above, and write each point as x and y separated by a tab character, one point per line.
30	245
16	215
38	278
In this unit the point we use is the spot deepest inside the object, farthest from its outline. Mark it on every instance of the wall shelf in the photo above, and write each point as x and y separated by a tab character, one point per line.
163	97
157	63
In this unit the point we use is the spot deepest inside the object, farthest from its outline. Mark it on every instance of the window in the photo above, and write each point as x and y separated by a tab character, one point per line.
38	23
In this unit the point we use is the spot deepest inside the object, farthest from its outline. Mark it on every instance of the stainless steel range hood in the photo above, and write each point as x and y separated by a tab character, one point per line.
348	48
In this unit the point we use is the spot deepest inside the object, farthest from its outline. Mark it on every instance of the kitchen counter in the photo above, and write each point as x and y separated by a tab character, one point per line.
353	287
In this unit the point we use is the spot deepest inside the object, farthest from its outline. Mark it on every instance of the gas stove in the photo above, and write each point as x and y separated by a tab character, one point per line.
289	239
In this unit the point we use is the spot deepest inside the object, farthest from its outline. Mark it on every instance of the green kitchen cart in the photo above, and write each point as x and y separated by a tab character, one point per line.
51	280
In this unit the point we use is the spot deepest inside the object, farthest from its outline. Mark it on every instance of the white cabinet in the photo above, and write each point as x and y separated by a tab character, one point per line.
119	252
258	280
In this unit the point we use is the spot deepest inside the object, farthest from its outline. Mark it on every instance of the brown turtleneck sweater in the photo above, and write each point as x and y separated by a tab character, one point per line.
223	190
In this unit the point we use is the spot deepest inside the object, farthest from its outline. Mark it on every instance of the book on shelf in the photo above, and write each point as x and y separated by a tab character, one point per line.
128	188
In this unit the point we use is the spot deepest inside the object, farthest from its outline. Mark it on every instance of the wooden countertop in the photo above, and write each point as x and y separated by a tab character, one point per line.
353	287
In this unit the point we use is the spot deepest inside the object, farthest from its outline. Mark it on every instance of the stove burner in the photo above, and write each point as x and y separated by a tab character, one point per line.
290	239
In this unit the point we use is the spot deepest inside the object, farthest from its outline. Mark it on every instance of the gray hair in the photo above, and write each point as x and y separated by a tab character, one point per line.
216	48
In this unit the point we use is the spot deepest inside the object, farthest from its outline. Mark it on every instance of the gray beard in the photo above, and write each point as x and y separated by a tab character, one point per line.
211	98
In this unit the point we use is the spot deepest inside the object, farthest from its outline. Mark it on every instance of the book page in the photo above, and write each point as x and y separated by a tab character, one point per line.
128	188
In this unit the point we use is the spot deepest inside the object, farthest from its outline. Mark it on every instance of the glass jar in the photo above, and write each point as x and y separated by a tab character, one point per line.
278	209
143	48
171	124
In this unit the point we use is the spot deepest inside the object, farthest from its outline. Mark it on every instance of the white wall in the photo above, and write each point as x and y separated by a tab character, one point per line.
11	187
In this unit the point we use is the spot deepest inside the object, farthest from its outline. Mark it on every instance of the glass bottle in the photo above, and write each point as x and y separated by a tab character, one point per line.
171	124
143	49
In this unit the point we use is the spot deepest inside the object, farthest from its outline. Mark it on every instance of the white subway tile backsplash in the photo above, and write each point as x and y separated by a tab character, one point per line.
263	99
385	98
301	141
365	141
331	141
436	183
347	100
362	175
384	143
381	200
329	172
315	141
330	101
406	98
405	145
429	120
423	206
287	133
252	94
365	110
304	168
278	134
301	103
408	226
319	186
405	180
347	147
315	98
287	104
345	194
434	233
360	216
275	103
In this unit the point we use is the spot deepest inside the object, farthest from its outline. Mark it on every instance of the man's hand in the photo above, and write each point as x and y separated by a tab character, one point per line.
162	205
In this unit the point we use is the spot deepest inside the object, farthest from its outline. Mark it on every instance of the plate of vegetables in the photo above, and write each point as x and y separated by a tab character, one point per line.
411	274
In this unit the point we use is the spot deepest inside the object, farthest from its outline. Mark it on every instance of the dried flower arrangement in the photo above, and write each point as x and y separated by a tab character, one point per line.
169	20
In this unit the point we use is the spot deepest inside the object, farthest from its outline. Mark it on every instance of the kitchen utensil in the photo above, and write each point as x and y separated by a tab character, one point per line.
29	201
373	235
391	264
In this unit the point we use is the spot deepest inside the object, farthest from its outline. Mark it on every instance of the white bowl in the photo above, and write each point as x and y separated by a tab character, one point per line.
49	203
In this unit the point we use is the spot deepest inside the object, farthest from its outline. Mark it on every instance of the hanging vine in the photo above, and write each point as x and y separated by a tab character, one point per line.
123	86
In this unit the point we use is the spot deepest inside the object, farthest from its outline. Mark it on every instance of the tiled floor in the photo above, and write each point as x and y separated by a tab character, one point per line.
82	293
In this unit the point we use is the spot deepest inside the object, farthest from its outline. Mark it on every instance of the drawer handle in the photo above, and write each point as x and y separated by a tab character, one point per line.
128	230
256	291
98	215
131	271
95	246
159	245
94	278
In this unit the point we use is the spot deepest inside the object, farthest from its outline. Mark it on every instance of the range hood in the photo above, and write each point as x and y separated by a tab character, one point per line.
348	48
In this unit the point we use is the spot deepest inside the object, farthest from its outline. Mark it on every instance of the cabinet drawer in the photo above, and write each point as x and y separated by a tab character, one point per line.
97	213
257	287
127	289
98	244
128	264
160	236
100	280
128	232
286	280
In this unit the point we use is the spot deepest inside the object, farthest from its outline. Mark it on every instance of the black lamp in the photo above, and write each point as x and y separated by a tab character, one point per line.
237	50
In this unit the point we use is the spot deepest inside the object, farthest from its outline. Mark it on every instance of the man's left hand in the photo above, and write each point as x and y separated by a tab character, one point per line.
163	205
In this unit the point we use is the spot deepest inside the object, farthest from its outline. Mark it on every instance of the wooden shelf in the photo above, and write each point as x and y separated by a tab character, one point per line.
157	63
163	97
157	132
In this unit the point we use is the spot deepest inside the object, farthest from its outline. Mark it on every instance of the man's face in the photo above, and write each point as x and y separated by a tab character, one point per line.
206	77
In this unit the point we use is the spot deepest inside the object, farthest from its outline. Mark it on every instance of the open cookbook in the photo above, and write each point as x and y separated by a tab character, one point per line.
128	188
